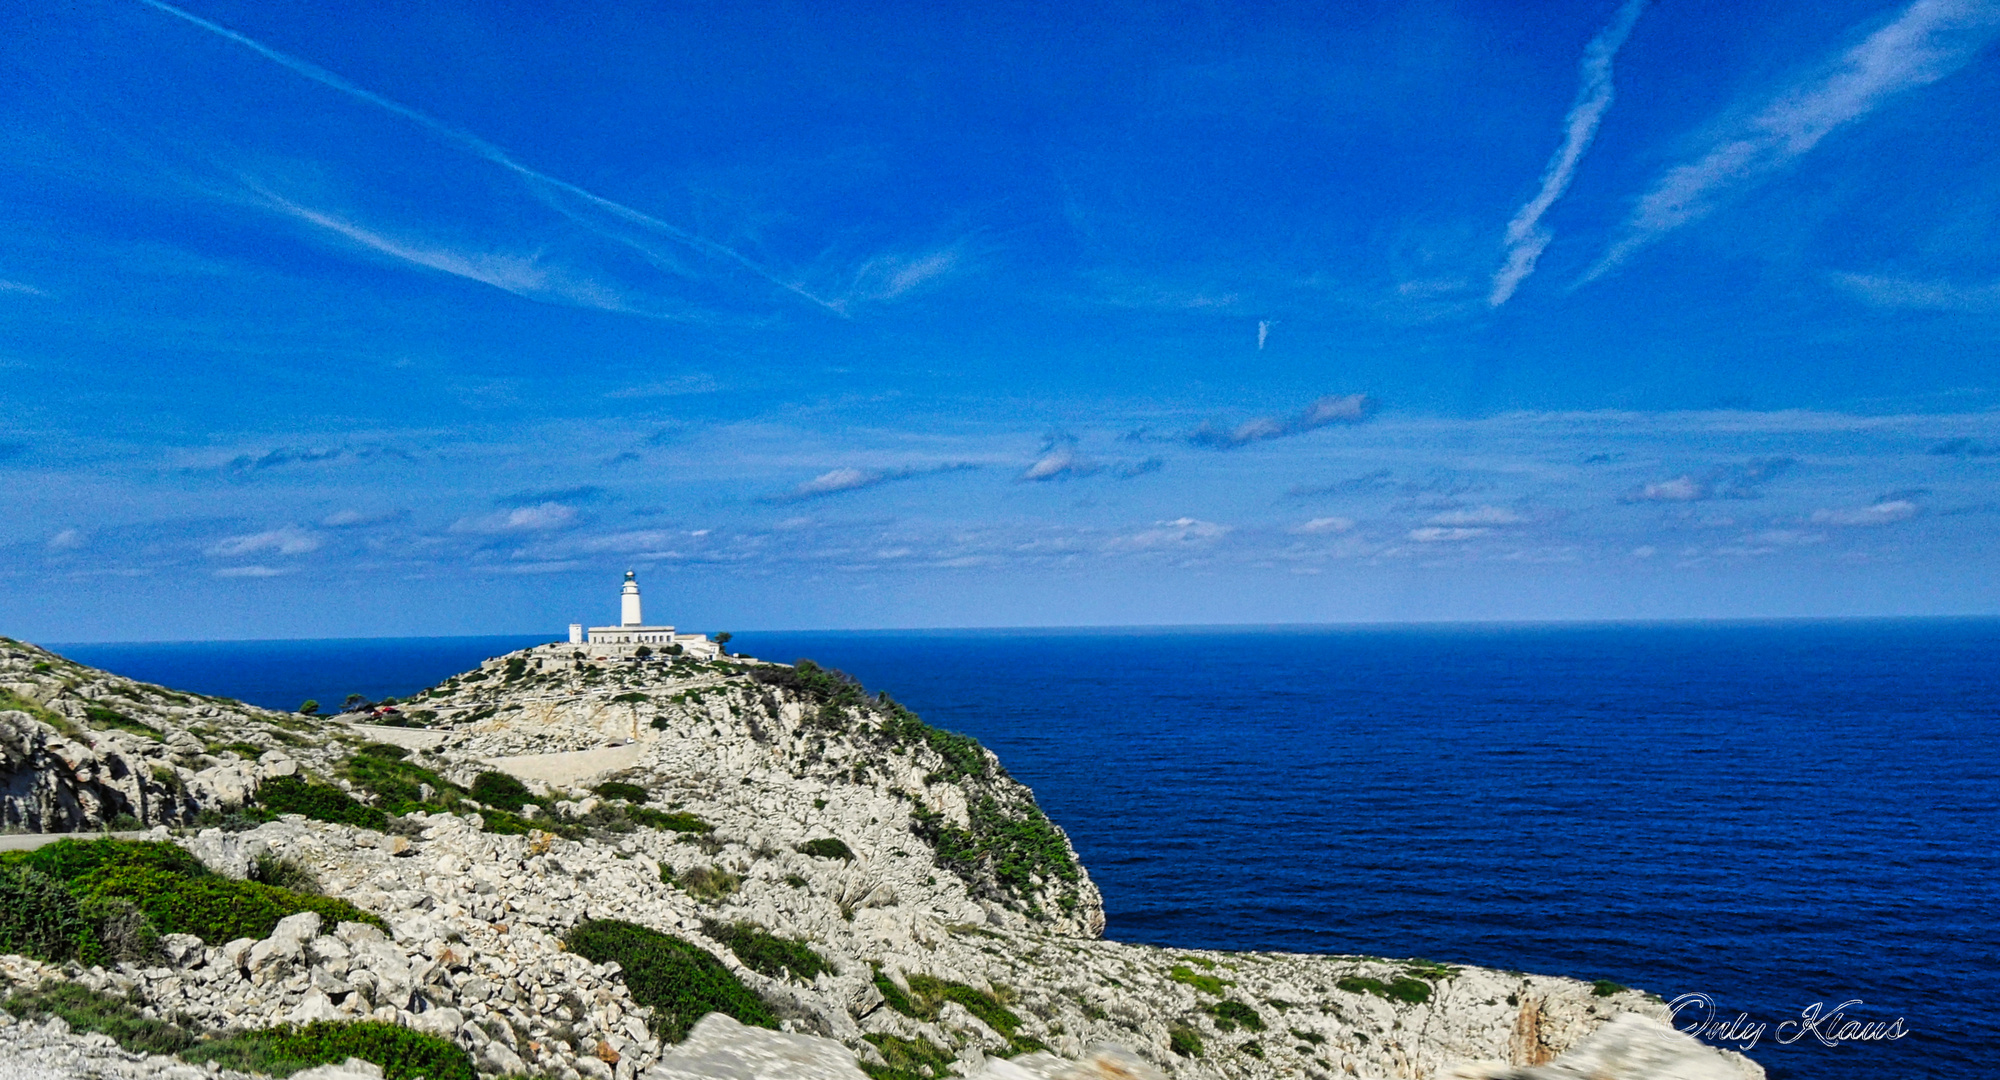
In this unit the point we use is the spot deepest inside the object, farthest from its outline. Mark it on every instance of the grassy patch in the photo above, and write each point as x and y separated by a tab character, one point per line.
56	720
1207	984
908	1059
402	1053
708	883
1401	988
766	953
99	716
497	789
827	847
89	1010
320	802
679	979
40	918
1229	1015
1184	1040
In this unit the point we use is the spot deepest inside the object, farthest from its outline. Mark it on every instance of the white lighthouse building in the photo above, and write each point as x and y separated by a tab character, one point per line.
632	632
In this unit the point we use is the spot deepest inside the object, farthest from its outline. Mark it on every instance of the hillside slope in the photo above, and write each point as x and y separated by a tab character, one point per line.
568	862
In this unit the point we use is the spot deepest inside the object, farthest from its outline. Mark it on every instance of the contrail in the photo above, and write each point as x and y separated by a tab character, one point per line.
1526	237
479	147
1927	41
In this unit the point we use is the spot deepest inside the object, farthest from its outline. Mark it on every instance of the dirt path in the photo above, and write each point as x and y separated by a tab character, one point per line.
568	768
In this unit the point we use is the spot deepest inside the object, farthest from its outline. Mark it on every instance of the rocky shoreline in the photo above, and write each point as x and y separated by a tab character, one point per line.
925	918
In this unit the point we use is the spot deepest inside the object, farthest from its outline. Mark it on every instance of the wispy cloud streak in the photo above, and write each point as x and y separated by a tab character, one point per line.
1926	42
1526	235
537	180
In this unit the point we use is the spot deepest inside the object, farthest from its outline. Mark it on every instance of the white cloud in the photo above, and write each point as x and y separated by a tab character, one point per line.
542	517
1325	525
1483	515
1925	295
1332	409
1435	535
249	572
671	386
1180	532
1679	489
1059	463
1886	512
66	540
1927	41
20	287
285	541
1526	235
848	478
888	277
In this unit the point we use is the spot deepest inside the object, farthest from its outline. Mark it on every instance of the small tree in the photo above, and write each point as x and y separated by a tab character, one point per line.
643	652
354	701
722	641
309	708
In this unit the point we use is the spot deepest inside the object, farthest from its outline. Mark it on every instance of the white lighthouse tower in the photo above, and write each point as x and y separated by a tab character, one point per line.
628	602
632	632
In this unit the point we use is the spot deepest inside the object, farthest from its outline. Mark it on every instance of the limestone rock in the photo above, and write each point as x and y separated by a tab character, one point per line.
1628	1047
721	1049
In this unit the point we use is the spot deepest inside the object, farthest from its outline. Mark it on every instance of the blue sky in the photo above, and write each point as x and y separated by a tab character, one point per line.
382	319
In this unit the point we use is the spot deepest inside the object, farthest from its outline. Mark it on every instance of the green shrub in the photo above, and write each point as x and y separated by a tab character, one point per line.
501	790
1230	1014
632	698
1401	988
1184	1040
100	716
679	979
515	667
908	1059
618	789
402	1053
67	860
309	707
214	908
284	873
766	953
90	1010
708	883
40	918
1605	988
929	993
1207	984
827	848
320	802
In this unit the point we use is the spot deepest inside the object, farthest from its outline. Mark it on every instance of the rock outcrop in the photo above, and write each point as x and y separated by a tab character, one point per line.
952	927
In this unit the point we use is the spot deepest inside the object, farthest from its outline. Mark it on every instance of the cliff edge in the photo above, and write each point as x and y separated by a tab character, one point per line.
558	866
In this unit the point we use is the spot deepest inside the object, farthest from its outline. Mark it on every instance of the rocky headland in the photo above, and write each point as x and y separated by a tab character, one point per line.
653	867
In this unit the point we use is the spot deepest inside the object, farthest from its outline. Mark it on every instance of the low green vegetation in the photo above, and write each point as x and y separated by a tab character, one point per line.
927	994
85	1009
1231	1014
766	953
678	978
827	847
99	716
320	802
1606	988
11	700
95	900
497	789
618	789
1207	984
402	1053
908	1059
708	883
1401	988
1184	1040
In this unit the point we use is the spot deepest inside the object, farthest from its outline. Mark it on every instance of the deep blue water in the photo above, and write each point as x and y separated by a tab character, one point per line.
1775	814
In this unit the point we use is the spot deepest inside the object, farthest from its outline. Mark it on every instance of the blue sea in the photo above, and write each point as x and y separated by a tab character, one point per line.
1775	814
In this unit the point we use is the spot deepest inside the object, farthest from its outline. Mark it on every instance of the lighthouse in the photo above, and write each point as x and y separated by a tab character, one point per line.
628	602
631	633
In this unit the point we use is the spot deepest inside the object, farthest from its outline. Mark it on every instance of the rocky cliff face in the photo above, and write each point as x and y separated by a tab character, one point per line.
721	802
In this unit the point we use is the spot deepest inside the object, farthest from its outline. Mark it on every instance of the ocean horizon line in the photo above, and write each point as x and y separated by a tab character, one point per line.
1133	629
